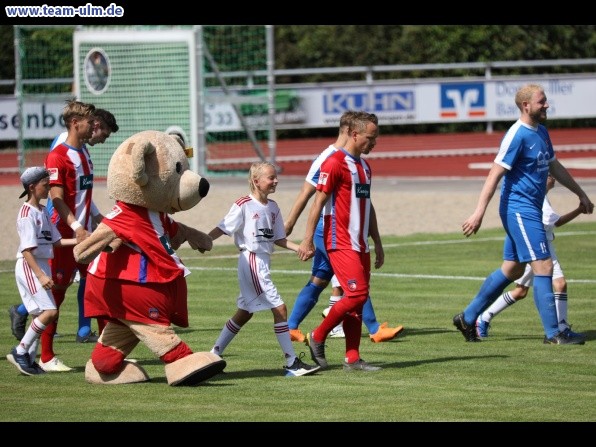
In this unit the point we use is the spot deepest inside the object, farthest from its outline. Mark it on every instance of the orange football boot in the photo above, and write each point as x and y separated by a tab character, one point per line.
297	335
385	333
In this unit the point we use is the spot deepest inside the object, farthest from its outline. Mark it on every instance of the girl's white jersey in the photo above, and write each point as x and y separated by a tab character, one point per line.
255	226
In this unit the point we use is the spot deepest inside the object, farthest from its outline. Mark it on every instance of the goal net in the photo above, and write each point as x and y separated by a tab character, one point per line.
207	82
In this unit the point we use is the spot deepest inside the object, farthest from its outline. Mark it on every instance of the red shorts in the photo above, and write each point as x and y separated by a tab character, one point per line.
352	270
155	303
64	266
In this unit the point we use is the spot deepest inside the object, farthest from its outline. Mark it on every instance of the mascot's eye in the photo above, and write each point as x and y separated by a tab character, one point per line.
178	167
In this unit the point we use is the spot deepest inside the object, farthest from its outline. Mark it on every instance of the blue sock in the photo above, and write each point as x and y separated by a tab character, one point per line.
491	289
22	310
305	301
84	323
369	318
545	303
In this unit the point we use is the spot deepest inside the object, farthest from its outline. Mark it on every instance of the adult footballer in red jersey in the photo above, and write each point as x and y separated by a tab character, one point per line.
343	196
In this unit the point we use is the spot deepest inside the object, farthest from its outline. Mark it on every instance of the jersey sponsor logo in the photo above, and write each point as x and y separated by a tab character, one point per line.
362	190
47	235
165	241
267	233
86	181
352	284
256	216
542	161
323	178
114	212
53	173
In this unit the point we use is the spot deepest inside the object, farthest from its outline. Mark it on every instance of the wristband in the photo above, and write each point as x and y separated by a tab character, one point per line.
75	225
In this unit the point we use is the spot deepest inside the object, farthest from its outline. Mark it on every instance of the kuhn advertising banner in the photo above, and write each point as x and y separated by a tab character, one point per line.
448	100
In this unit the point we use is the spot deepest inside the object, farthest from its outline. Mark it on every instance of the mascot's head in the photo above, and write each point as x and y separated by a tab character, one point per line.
151	169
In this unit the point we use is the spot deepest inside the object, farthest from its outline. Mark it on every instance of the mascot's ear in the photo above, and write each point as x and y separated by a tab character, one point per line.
139	152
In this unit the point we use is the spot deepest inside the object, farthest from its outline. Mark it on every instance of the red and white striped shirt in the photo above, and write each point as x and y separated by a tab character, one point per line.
346	214
146	256
72	169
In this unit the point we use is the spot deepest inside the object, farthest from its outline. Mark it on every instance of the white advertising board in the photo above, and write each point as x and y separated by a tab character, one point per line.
43	119
569	97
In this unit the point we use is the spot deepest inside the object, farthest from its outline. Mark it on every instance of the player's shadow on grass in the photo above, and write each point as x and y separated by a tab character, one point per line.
401	365
229	376
189	330
589	335
416	332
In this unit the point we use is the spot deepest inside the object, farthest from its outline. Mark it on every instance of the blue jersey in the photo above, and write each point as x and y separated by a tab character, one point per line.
526	153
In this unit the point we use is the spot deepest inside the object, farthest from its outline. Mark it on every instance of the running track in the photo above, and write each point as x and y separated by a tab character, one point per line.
436	155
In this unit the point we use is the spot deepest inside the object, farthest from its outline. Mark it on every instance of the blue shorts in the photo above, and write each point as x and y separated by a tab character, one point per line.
525	239
321	267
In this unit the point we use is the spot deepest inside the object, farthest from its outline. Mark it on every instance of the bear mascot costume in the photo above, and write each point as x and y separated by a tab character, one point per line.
136	281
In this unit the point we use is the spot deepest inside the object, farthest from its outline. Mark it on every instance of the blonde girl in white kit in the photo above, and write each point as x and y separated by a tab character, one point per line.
256	224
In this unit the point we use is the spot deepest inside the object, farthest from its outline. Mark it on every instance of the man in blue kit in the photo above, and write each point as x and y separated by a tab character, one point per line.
524	161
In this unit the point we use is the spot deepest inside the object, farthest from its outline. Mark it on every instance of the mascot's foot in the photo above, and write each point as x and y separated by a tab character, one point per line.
131	373
194	369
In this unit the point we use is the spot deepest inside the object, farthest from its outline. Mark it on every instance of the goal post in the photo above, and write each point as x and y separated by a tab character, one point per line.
214	83
164	77
145	78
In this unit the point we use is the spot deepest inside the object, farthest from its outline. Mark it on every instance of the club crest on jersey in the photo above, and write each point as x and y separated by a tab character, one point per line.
352	284
153	313
323	178
114	212
53	173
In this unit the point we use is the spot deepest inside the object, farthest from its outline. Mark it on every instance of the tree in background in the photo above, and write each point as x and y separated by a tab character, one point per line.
313	46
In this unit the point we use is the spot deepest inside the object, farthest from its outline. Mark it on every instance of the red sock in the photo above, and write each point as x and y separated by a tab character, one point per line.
47	337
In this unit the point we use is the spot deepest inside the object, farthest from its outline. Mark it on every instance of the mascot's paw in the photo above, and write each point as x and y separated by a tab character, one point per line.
194	368
114	245
131	373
